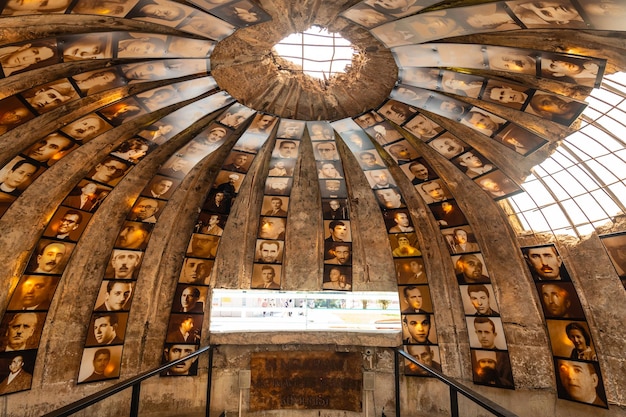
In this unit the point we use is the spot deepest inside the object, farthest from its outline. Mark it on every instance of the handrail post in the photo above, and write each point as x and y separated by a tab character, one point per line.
454	402
396	365
209	383
455	389
134	403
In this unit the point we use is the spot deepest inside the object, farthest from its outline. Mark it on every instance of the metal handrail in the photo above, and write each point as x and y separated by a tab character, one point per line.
455	388
135	383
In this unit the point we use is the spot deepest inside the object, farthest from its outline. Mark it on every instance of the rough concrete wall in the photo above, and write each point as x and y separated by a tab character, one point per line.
65	331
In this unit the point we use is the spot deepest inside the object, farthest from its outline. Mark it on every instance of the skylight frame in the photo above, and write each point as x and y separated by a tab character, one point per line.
603	119
338	47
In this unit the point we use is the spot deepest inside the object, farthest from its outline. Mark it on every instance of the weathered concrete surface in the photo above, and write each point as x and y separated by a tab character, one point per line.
64	334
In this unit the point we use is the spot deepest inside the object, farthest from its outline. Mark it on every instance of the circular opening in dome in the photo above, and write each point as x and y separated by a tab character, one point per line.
316	52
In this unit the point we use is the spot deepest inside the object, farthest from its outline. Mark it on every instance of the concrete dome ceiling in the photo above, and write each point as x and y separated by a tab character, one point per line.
169	104
268	88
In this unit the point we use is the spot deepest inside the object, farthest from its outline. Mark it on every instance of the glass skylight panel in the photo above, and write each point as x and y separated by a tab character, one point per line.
554	216
576	215
587	229
537	220
318	53
617	77
591	114
577	146
619	190
605	201
598	105
539	171
590	206
618	114
563	158
597	142
523	202
555	187
551	166
614	164
610	124
582	179
604	174
538	193
604	95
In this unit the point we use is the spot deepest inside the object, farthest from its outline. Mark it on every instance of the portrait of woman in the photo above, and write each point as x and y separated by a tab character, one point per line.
37	54
50	96
99	80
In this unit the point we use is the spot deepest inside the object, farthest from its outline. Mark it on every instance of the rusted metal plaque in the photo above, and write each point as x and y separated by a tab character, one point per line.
306	380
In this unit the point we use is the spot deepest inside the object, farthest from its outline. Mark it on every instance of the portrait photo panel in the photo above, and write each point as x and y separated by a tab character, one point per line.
50	149
278	185
211	223
190	299
134	235
196	271
100	363
67	224
448	214
410	271
545	263
184	328
269	251
50	257
173	351
418	329
86	128
338	253
33	292
115	295
337	278
203	246
335	209
337	231
434	191
24	361
571	339
266	276
479	300
580	381
281	167
320	131
470	268
460	239
272	228
559	300
404	245
21	330
492	368
275	206
47	97
426	354
87	46
106	328
486	332
415	299
291	129
18	174
333	188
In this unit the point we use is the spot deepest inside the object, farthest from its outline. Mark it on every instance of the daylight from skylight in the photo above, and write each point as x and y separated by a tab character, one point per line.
319	53
582	186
